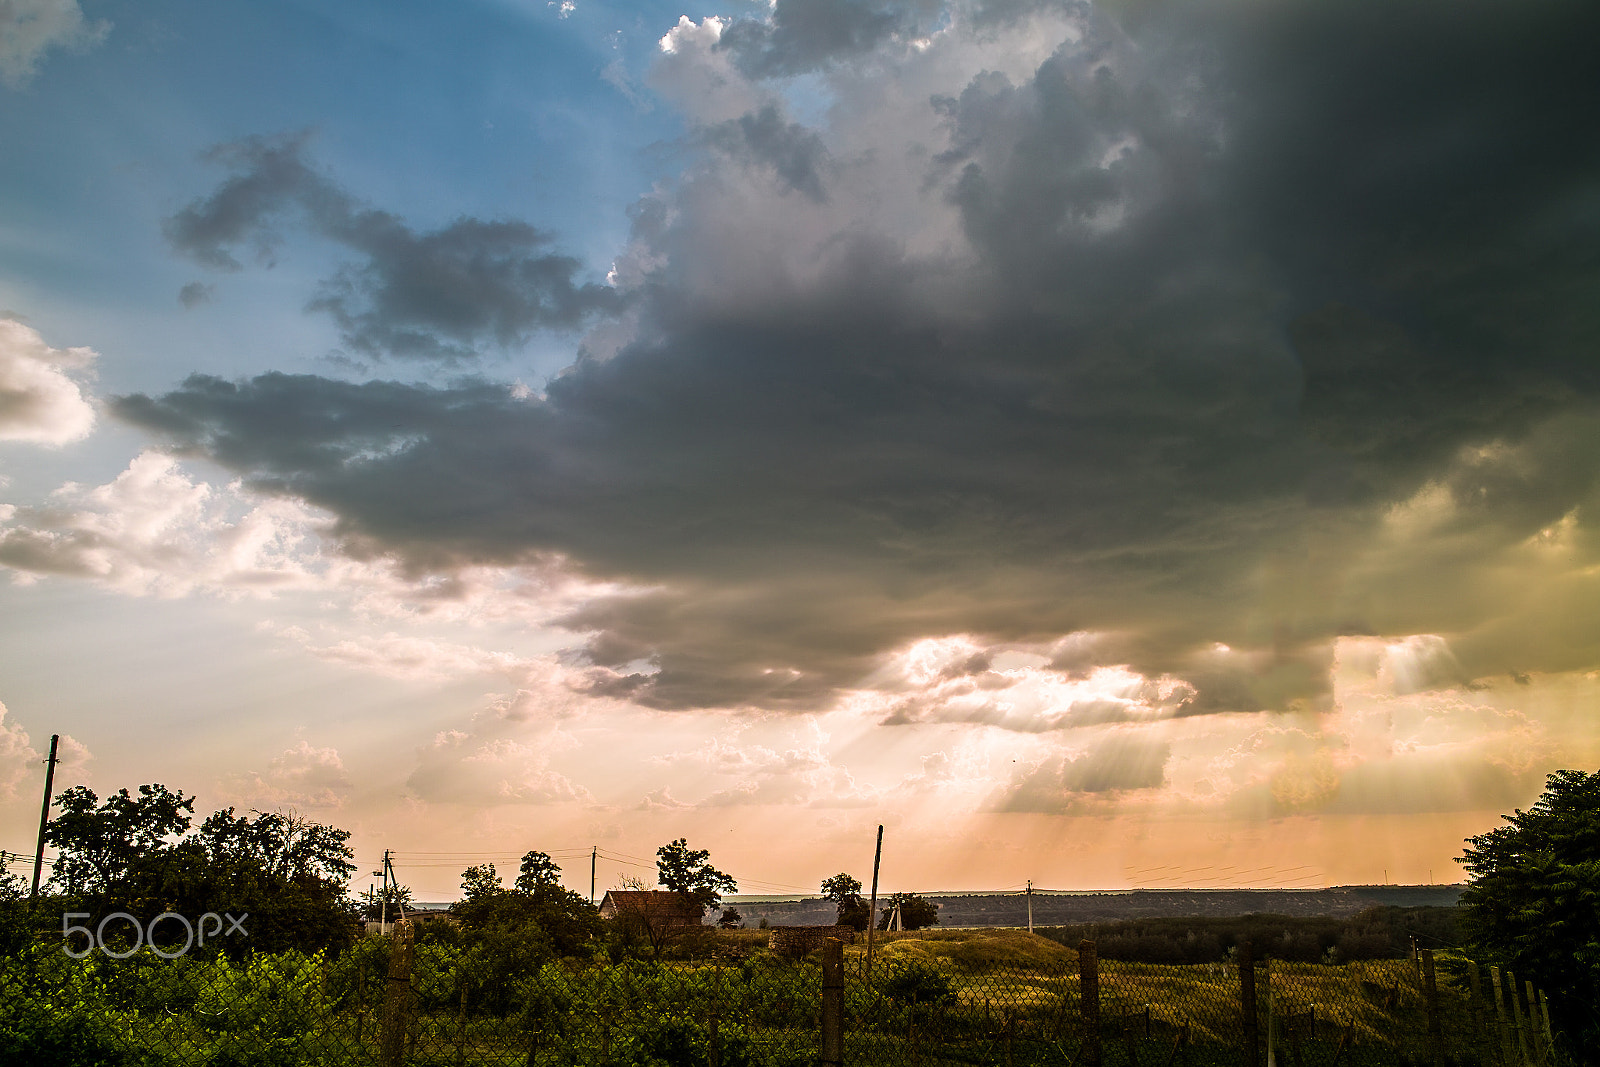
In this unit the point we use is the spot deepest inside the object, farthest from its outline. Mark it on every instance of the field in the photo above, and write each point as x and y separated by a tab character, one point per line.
950	997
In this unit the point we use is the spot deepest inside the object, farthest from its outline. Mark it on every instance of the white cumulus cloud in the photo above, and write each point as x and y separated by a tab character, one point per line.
40	402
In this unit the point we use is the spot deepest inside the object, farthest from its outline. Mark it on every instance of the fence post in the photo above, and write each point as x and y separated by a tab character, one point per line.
1089	998
1475	981
1502	1027
1519	1022
832	1002
1541	1051
1272	1015
397	997
461	1021
1430	990
1247	1005
1549	1036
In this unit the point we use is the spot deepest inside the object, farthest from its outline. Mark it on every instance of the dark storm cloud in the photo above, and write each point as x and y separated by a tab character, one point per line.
802	35
795	154
436	294
1237	290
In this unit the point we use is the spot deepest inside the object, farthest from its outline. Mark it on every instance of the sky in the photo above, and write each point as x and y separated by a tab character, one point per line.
1140	444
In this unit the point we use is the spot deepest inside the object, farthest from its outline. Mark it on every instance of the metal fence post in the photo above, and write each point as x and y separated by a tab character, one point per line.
1247	1005
1089	997
833	1002
397	997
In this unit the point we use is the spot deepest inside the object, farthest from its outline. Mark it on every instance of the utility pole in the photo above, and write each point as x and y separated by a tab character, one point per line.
872	912
1029	894
383	901
44	813
594	854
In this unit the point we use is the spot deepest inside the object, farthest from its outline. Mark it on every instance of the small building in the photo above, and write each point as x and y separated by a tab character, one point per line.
654	907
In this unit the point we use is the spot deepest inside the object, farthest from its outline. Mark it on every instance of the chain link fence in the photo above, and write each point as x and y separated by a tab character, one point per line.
392	1002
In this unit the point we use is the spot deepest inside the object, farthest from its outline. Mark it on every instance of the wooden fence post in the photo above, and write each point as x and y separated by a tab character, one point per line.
1502	1026
1272	1015
1519	1022
1430	991
397	997
832	1002
461	1022
1549	1036
1476	982
1089	999
1247	1005
1541	1051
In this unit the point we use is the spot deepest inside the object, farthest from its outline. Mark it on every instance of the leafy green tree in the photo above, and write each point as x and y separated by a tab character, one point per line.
730	919
688	871
480	882
539	872
138	854
537	909
845	892
915	912
103	846
1532	902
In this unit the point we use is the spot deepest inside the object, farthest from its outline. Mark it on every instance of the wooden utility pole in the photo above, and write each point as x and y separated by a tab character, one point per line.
1029	894
594	855
872	911
44	813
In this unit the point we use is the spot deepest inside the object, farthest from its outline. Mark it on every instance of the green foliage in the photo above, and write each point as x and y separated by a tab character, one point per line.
539	872
675	1041
841	888
915	912
916	982
688	871
845	892
730	919
104	847
479	882
1533	900
136	854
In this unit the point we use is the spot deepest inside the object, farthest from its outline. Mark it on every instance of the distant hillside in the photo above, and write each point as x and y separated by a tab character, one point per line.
1065	909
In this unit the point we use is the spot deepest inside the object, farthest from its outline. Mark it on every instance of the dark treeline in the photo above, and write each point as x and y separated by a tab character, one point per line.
1383	932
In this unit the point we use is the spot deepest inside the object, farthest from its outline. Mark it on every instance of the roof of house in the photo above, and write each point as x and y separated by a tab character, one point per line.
651	901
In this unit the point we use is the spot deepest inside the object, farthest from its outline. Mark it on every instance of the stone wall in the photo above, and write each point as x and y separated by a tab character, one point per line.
799	940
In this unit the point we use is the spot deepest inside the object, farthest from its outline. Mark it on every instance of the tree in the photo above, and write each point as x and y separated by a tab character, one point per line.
539	872
101	846
1532	902
730	919
537	910
915	912
845	892
480	882
688	871
137	854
